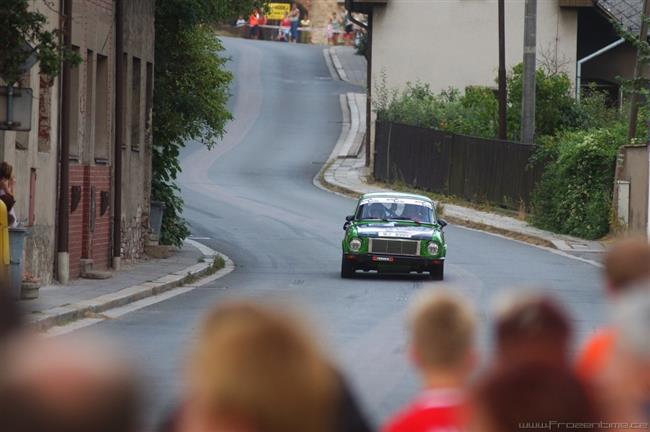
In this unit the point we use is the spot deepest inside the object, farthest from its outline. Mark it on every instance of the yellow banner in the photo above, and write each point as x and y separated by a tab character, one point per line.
276	11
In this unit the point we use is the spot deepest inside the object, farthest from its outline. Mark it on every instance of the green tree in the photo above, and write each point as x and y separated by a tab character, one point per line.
555	110
23	34
192	89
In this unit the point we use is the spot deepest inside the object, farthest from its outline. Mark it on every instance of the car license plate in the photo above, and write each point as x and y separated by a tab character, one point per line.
383	258
402	234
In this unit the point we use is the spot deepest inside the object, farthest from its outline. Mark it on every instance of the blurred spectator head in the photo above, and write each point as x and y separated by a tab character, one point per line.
61	385
532	397
254	368
627	263
442	327
532	328
628	378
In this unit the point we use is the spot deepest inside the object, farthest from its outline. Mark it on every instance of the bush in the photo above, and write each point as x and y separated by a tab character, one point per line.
575	192
555	107
473	113
577	143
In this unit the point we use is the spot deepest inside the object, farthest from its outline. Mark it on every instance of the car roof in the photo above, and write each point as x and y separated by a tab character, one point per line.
395	195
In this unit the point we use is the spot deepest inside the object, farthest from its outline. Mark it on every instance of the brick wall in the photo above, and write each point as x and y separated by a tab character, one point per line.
75	242
88	240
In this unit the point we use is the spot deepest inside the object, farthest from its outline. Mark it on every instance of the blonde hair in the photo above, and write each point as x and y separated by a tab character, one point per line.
442	329
627	263
255	364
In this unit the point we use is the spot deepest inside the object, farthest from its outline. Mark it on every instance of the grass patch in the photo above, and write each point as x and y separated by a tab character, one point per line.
218	262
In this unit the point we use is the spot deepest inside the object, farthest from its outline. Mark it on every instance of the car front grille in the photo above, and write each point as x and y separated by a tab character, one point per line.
394	247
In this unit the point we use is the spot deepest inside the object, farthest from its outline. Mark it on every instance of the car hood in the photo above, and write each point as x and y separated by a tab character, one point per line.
395	230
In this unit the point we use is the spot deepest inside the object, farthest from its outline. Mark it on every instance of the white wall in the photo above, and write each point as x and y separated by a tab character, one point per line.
454	43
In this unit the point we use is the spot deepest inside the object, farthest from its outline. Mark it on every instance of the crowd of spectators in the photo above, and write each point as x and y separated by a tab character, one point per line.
259	368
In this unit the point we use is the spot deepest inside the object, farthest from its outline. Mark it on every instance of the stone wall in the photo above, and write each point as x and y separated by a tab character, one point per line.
320	12
134	236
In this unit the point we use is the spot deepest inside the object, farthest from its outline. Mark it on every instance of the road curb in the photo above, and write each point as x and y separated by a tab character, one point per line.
338	66
213	262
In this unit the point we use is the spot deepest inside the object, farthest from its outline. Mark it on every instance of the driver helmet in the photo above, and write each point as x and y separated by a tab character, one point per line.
376	211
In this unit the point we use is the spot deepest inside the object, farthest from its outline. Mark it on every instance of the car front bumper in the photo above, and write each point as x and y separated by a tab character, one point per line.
391	262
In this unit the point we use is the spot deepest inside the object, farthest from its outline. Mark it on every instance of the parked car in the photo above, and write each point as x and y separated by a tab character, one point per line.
394	232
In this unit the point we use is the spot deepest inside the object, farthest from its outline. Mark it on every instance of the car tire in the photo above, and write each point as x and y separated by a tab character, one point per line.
437	271
347	269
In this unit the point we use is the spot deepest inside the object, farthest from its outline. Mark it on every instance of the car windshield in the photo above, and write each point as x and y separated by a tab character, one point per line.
396	209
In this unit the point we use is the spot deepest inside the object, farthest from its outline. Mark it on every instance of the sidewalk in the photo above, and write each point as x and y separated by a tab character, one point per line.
346	173
58	304
349	66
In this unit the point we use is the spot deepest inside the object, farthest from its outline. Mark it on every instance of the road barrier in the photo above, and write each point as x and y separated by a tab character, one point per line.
475	169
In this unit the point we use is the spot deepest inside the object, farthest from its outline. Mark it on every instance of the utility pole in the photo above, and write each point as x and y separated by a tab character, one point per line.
119	133
528	93
503	128
638	70
63	256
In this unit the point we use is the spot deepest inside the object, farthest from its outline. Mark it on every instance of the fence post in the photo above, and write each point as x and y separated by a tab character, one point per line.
4	246
390	131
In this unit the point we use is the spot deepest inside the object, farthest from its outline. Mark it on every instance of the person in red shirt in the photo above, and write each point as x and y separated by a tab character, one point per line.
253	24
442	330
626	264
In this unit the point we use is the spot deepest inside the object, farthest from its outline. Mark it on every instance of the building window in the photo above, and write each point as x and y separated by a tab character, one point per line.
89	105
73	116
136	111
102	133
148	113
44	114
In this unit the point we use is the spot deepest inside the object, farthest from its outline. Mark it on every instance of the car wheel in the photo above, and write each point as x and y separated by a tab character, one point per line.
347	269
437	271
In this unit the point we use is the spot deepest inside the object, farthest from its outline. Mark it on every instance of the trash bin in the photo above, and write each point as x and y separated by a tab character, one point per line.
156	216
16	265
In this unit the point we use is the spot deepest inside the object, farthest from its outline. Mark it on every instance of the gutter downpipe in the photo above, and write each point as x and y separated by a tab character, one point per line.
119	134
589	57
63	256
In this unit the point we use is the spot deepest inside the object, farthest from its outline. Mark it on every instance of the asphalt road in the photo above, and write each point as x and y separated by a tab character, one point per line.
253	199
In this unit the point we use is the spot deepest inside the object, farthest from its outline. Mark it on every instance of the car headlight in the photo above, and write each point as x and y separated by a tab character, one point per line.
355	245
432	248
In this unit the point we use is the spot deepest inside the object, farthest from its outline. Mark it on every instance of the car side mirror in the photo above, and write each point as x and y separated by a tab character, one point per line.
348	219
443	223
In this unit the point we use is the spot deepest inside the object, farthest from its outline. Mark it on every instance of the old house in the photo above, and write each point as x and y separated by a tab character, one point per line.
89	119
34	155
454	43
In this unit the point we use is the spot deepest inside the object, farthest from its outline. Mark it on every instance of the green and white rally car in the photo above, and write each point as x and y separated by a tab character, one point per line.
394	232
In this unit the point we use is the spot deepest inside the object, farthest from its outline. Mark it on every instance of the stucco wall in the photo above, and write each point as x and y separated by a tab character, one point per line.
34	153
454	43
635	170
139	42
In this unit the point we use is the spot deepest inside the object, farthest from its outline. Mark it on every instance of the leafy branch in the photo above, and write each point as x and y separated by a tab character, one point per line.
192	90
23	33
